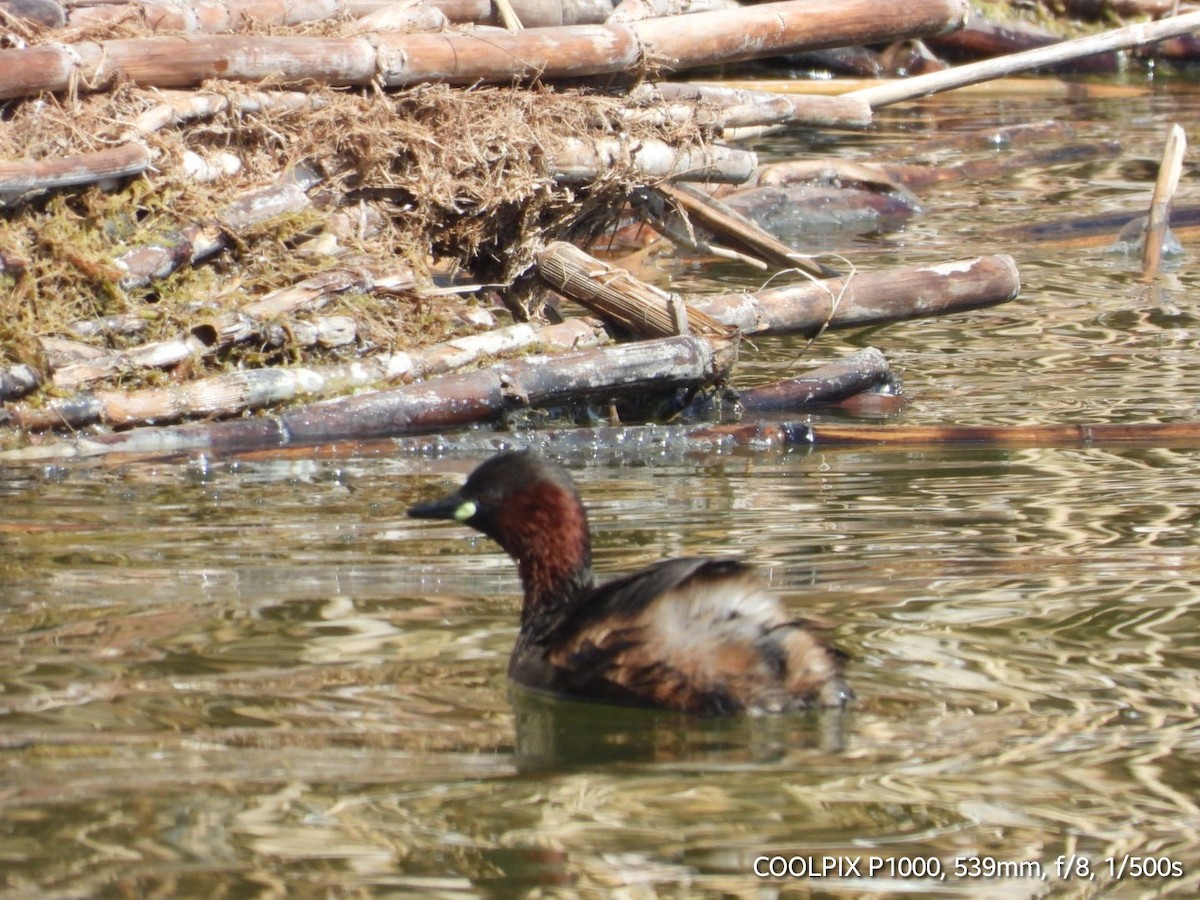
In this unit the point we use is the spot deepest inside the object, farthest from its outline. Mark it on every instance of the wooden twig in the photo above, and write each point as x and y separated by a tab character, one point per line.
869	298
986	70
1159	219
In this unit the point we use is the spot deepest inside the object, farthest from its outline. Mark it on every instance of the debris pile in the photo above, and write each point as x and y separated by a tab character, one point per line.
217	208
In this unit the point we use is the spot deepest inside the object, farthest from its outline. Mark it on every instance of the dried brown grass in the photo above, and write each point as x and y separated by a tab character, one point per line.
460	177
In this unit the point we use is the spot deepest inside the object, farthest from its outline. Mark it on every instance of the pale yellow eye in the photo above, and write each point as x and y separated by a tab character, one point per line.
465	510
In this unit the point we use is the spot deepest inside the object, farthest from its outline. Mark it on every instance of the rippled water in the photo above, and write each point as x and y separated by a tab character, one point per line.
257	678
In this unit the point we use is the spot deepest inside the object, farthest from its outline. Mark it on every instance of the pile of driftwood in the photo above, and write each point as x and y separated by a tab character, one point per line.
215	208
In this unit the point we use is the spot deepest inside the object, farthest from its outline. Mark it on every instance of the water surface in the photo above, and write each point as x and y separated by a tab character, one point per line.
256	677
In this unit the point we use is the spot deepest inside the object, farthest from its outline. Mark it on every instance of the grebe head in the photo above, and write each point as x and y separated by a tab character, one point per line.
530	507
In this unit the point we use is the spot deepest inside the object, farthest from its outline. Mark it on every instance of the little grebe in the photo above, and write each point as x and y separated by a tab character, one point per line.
699	635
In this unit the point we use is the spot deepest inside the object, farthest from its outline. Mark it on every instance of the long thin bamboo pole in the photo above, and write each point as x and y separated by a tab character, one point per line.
1118	39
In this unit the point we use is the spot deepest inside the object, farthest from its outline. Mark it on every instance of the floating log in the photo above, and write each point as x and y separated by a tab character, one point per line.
392	60
843	378
984	39
1005	137
658	441
869	298
452	401
916	177
988	69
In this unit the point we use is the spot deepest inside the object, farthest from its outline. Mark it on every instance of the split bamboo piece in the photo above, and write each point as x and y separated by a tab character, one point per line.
743	235
392	60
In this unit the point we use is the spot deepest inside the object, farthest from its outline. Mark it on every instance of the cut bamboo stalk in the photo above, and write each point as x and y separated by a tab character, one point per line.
20	178
615	295
636	10
635	369
869	298
393	60
735	107
237	392
771	29
833	381
1159	219
1118	39
206	16
582	161
178	107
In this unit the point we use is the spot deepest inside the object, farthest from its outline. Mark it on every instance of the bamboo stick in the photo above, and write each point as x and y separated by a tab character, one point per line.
582	161
1118	39
833	381
20	178
393	60
735	107
17	381
178	107
228	328
237	392
452	401
193	243
1159	219
869	298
